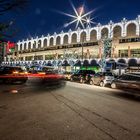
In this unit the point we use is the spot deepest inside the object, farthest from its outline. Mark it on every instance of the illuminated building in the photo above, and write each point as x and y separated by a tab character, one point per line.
125	37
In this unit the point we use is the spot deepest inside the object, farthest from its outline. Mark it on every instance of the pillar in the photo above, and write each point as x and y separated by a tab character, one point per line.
129	52
100	52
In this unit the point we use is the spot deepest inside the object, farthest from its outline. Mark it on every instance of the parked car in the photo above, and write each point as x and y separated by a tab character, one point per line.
82	76
67	75
9	74
102	79
127	81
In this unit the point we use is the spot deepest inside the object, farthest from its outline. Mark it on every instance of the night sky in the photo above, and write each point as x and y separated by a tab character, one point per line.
41	16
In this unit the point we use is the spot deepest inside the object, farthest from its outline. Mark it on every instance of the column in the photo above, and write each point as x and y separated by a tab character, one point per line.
129	52
100	52
43	57
113	52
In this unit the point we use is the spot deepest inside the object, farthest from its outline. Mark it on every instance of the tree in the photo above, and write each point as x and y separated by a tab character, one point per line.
8	6
6	29
12	5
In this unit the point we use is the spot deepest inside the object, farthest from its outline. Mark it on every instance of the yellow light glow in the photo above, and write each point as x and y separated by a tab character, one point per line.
15	72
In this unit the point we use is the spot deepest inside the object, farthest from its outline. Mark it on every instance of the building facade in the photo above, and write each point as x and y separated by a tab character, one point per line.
86	43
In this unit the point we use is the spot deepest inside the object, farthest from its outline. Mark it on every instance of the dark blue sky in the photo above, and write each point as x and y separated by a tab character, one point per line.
41	16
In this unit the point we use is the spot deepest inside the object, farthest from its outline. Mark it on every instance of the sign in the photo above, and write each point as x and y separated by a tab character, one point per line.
10	47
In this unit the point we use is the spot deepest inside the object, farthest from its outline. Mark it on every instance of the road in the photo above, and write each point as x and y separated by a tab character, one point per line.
75	112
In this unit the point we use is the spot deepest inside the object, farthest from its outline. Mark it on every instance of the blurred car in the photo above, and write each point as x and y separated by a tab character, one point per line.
127	81
82	76
46	76
9	74
102	79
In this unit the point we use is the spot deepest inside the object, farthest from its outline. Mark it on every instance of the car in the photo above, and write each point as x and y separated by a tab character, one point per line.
45	77
67	75
127	81
10	74
102	79
82	76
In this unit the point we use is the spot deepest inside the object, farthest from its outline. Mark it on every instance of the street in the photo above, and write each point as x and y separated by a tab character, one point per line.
74	112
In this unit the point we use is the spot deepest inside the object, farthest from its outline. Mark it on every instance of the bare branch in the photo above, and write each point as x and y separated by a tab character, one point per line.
12	5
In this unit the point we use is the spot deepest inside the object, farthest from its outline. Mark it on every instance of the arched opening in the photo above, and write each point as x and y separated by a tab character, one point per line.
104	33
83	37
131	30
66	39
25	46
93	63
117	32
20	46
51	41
86	63
78	63
65	63
58	40
93	36
34	45
132	62
122	61
49	63
39	44
29	45
74	38
111	60
45	43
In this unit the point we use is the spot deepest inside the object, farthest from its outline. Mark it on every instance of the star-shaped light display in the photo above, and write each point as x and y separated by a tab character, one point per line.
80	17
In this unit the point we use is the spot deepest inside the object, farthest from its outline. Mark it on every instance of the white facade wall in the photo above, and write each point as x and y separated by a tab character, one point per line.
110	27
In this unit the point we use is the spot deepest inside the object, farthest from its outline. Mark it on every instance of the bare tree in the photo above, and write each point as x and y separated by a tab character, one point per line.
8	6
12	5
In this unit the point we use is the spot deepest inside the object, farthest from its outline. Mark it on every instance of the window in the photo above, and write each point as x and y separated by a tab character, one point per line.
123	53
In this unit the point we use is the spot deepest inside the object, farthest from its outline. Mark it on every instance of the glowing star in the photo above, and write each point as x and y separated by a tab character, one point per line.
80	17
89	21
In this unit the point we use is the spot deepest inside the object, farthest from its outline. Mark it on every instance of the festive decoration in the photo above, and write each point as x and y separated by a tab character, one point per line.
10	47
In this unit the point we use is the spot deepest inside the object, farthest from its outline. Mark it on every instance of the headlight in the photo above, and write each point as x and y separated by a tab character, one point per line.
15	72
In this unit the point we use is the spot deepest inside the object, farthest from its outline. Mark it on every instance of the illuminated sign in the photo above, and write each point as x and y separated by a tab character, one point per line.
10	47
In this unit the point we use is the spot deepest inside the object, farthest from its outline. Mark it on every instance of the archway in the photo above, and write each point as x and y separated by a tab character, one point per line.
86	63
74	38
132	62
117	32
25	46
104	32
20	46
93	63
122	61
45	43
51	41
83	37
29	45
93	36
131	30
58	40
34	45
39	44
66	39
